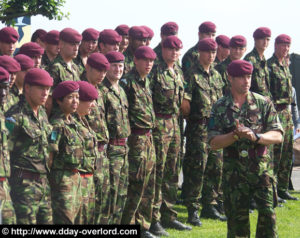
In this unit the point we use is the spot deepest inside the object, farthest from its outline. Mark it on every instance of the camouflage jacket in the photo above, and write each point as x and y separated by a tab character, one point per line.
116	110
244	157
128	64
78	61
46	63
13	97
167	89
280	82
66	143
260	82
189	59
141	112
222	69
28	137
4	153
158	52
202	90
60	71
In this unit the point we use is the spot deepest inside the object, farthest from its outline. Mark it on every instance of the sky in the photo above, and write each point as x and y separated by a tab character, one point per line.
232	17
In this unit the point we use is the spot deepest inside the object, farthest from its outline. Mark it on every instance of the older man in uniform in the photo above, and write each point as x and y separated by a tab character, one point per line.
223	48
8	40
281	90
245	124
51	40
123	31
34	51
28	144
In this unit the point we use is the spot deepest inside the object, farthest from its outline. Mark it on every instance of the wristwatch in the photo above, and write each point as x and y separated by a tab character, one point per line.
257	137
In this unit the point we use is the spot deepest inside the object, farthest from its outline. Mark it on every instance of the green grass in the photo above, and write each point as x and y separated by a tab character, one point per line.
288	223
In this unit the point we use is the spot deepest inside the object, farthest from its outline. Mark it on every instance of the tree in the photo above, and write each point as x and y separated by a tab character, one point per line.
10	9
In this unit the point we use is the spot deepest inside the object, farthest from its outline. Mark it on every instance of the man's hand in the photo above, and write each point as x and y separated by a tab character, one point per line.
244	132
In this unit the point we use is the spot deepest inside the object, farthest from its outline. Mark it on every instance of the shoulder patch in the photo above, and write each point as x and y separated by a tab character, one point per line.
124	81
10	123
53	136
211	123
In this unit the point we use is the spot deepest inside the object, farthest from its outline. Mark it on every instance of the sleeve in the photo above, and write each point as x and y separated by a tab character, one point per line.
215	127
272	122
55	138
188	87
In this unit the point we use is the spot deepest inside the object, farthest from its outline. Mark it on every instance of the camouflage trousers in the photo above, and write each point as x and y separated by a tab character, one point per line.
283	153
118	171
141	158
236	203
194	164
6	205
31	199
167	141
102	189
66	195
212	191
86	214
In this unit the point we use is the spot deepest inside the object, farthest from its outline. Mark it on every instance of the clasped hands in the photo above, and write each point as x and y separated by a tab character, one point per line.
244	132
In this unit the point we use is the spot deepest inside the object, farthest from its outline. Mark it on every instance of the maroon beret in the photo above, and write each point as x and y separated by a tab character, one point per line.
262	32
40	77
64	88
31	49
4	75
39	33
70	35
8	35
90	34
25	61
87	92
283	39
145	52
169	28
109	36
223	41
98	61
150	31
114	57
238	68
238	41
207	44
10	64
138	32
172	42
122	30
207	27
52	37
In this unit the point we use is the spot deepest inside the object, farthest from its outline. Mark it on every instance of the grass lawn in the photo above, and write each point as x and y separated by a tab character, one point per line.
288	223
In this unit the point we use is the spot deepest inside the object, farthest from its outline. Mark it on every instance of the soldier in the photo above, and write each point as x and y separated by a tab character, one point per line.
260	78
96	69
39	37
109	40
141	155
206	30
245	124
87	46
203	88
123	31
8	215
8	40
167	29
34	51
223	48
137	37
151	34
51	40
116	116
167	94
237	47
281	90
28	144
66	155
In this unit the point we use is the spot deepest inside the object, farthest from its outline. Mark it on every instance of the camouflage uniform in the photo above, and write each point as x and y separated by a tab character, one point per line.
46	63
167	95
28	145
247	172
222	69
203	90
189	59
158	51
65	181
281	90
141	155
86	170
116	115
6	205
128	63
260	81
78	61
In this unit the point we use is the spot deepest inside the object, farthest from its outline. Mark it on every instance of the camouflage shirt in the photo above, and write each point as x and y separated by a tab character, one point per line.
46	63
66	143
13	97
28	138
189	59
260	82
280	82
141	112
222	69
78	61
202	90
4	153
167	89
158	52
128	64
116	110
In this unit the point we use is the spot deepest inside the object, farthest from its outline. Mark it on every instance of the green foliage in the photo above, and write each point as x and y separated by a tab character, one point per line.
10	9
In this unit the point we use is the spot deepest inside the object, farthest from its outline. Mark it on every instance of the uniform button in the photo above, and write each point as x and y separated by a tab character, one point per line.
244	153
